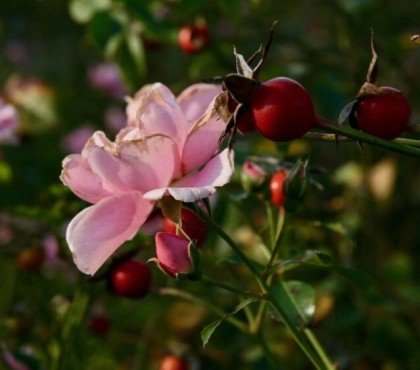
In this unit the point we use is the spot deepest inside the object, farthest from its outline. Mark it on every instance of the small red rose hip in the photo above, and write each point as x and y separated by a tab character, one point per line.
30	259
385	115
276	188
131	279
282	109
172	362
193	38
99	324
193	226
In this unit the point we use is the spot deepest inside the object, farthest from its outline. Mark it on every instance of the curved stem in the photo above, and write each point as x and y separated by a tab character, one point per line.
173	292
369	139
228	287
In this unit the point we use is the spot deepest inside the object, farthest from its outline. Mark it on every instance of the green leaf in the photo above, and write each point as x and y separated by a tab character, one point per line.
82	11
209	329
135	47
304	297
103	28
285	305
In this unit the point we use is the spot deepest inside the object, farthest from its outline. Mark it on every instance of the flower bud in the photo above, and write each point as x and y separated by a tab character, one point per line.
252	176
173	254
295	184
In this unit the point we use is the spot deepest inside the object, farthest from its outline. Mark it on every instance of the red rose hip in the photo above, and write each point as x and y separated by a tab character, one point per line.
172	362
276	188
282	109
131	279
385	115
193	38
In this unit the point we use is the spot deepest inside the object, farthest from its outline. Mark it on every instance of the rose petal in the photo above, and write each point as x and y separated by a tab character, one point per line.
78	176
201	184
202	141
195	99
97	231
155	110
154	160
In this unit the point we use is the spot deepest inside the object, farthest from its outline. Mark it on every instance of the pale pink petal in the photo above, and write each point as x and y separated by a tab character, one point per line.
78	176
98	139
172	253
202	141
154	161
201	184
155	110
97	231
195	99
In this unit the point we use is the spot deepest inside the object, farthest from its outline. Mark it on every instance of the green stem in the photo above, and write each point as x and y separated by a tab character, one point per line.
277	243
270	221
228	287
369	139
322	136
250	264
315	353
173	292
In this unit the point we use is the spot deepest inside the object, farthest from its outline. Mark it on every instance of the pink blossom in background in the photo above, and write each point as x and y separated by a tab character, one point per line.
9	123
115	119
172	253
106	77
163	152
76	140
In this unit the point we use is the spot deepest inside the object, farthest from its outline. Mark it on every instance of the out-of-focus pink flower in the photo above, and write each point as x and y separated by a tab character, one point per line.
8	123
106	77
172	253
115	119
16	52
76	140
12	361
162	153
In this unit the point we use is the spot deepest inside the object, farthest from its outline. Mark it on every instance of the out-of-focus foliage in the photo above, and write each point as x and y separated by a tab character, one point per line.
353	246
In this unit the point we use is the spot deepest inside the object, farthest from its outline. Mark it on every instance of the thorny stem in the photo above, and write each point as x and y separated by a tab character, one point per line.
369	139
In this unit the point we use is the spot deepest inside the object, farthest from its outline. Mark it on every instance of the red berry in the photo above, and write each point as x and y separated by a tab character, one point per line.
384	115
99	324
282	109
131	279
246	121
172	362
193	38
30	259
276	188
192	225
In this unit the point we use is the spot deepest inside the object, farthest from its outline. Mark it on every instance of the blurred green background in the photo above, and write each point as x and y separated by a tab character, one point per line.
366	217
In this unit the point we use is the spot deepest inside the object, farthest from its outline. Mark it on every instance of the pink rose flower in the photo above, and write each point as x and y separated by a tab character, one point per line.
8	123
163	152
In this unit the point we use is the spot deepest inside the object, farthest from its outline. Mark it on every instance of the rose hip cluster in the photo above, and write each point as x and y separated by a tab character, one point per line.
282	110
